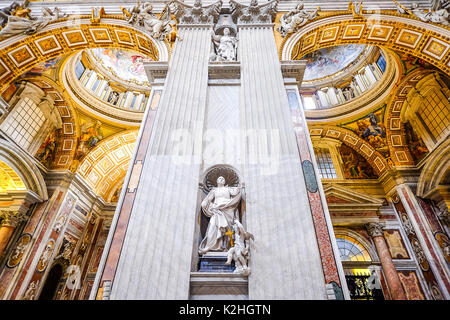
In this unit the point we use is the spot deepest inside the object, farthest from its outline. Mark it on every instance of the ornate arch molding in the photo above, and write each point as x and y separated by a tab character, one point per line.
395	129
24	167
427	41
20	53
67	141
435	171
373	157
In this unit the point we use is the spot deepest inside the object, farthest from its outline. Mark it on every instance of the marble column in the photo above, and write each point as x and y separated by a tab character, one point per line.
375	230
285	259
10	220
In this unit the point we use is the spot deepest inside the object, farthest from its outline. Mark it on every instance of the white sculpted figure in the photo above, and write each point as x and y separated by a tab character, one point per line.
240	251
437	13
142	15
292	21
24	25
225	46
221	205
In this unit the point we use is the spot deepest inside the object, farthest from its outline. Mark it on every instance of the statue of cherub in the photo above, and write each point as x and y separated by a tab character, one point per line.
239	253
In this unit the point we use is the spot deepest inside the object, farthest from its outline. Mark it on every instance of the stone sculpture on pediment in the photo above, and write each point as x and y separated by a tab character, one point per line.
142	15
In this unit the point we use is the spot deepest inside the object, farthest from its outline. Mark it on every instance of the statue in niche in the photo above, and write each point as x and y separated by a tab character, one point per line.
221	206
348	92
292	21
225	233
113	97
142	15
240	250
225	46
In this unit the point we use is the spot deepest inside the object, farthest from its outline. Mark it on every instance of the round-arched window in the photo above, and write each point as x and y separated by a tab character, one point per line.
351	249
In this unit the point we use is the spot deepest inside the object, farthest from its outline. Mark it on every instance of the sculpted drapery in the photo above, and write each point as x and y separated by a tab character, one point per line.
221	206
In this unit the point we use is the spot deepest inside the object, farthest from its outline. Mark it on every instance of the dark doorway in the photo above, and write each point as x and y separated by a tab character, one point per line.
52	282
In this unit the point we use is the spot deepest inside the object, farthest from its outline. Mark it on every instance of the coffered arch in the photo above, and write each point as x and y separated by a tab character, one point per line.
394	127
20	53
373	157
106	165
428	41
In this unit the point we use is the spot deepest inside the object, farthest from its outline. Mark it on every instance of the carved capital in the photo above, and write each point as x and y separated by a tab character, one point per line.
12	218
254	13
375	229
196	14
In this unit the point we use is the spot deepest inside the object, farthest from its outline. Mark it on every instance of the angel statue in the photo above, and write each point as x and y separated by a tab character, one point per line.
221	206
16	19
437	13
293	20
142	15
225	46
239	252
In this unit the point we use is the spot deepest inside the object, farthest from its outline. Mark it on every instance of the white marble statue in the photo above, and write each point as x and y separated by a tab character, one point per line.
437	13
239	253
23	25
221	206
225	46
142	15
292	21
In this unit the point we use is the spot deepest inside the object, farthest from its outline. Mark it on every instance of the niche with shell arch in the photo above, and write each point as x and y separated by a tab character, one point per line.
209	181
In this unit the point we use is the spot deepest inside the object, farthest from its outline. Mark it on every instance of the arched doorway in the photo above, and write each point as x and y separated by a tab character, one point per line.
51	283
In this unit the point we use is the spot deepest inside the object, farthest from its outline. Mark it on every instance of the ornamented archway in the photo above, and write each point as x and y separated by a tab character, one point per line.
373	157
20	53
395	130
428	41
19	163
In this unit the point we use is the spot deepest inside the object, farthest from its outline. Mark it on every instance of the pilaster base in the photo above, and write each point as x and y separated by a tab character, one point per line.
218	286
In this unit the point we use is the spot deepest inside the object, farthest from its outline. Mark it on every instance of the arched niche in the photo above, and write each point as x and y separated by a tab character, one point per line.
20	163
209	181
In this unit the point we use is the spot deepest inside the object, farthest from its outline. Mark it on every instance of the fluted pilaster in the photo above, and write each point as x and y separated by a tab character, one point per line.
285	260
156	255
